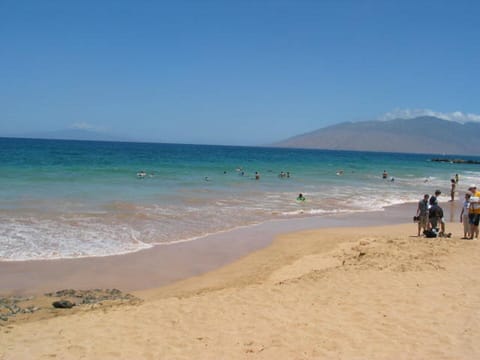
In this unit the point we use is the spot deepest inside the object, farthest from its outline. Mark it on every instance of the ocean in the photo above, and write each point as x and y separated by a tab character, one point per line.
71	199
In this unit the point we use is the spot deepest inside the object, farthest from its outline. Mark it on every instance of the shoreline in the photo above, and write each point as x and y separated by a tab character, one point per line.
165	264
349	292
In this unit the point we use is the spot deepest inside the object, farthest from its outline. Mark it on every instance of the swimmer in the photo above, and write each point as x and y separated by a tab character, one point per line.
300	197
339	172
141	174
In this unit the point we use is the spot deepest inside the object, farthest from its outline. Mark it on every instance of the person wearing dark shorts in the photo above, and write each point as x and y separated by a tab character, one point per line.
474	219
474	211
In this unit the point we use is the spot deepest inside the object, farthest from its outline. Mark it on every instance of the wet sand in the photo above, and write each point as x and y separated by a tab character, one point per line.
165	264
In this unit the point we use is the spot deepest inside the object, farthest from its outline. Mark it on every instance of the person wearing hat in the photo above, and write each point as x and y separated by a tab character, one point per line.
474	211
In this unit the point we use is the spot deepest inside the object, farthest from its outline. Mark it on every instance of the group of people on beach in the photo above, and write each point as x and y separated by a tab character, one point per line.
430	217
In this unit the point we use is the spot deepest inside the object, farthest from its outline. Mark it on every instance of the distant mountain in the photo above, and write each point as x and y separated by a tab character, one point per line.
73	134
427	134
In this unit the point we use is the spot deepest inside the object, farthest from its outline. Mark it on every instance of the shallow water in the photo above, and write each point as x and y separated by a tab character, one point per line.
68	199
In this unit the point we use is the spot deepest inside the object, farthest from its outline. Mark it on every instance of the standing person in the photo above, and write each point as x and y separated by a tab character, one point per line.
433	198
453	185
464	216
422	213
474	211
385	174
456	178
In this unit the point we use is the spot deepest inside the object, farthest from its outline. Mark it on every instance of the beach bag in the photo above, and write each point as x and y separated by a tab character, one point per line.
430	233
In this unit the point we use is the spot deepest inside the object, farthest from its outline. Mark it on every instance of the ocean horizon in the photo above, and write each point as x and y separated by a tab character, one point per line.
72	199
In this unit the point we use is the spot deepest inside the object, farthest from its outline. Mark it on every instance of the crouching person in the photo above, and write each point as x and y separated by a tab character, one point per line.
435	216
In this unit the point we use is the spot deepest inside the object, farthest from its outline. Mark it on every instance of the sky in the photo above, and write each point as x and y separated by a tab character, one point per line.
233	72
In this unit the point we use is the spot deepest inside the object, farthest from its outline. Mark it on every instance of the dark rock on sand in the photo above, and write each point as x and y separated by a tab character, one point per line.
63	304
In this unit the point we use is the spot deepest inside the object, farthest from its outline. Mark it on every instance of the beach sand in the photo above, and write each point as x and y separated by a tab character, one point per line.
375	292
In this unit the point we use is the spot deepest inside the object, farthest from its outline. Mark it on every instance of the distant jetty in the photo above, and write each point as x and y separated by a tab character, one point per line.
457	161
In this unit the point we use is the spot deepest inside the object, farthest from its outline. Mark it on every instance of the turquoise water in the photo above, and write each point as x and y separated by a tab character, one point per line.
64	199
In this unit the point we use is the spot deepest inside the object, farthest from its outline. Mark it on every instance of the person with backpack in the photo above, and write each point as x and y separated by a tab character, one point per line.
435	216
434	200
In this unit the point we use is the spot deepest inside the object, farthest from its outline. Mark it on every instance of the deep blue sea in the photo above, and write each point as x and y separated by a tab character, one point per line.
68	199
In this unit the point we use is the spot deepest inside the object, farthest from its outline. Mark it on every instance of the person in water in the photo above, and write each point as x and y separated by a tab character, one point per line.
300	197
453	185
385	174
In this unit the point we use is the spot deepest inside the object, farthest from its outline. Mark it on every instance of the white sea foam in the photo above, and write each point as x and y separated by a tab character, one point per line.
38	239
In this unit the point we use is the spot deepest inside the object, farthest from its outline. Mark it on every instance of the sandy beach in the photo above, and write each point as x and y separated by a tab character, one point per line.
370	292
239	180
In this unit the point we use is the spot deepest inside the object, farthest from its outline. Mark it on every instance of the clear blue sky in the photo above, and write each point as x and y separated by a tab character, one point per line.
231	72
